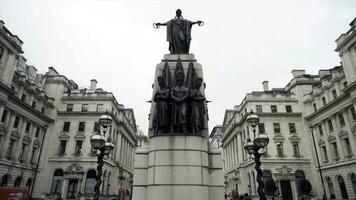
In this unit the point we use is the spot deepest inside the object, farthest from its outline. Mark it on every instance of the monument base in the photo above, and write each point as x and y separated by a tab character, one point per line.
178	168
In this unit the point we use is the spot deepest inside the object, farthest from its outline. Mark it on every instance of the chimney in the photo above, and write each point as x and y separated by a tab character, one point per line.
93	83
298	72
265	86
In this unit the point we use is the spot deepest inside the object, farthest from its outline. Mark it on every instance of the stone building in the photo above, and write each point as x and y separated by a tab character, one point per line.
24	112
46	126
71	162
215	136
286	159
318	128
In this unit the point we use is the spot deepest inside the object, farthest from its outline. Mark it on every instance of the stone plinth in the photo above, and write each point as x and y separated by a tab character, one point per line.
176	168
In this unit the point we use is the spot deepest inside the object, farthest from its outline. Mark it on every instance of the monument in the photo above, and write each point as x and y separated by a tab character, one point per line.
177	162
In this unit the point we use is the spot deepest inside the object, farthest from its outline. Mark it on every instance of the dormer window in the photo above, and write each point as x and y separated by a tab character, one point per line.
69	107
334	93
273	108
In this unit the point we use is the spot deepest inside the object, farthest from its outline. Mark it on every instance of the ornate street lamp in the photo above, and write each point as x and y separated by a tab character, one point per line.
260	141
104	146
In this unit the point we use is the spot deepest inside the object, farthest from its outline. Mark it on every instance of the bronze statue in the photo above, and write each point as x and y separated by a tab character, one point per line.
178	33
179	95
197	107
161	116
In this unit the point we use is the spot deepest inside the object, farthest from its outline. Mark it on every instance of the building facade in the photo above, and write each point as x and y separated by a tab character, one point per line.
71	168
311	124
286	159
46	126
24	112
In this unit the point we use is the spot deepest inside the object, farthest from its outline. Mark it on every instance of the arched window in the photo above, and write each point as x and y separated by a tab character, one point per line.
331	188
29	182
4	180
266	175
353	182
17	182
90	181
343	188
57	181
299	176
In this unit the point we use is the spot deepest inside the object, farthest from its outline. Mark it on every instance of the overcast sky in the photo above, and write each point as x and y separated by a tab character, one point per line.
241	44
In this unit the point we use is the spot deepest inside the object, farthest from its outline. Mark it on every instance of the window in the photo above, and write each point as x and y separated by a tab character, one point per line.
334	94
16	123
34	104
23	97
17	182
273	108
325	154
292	128
10	148
28	126
289	109
276	128
78	147
353	113
23	151
66	126
90	182
336	153
348	149
296	149
331	188
37	132
261	128
33	155
324	101
353	181
57	181
73	188
280	149
3	117
99	107
330	125
341	120
299	176
1	52
258	108
29	183
4	180
85	108
344	84
96	127
321	132
62	147
42	110
266	175
314	106
69	107
343	188
81	127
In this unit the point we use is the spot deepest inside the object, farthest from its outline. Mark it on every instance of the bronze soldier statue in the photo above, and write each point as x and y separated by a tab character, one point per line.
197	107
161	116
179	95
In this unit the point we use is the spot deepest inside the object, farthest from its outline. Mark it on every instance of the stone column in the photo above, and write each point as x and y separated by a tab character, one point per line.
19	142
294	188
237	150
338	140
10	125
64	193
30	146
2	108
118	147
352	139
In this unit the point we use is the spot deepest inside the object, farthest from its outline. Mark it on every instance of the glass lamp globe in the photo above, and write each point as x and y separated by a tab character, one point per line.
252	119
109	146
105	120
97	141
249	147
261	140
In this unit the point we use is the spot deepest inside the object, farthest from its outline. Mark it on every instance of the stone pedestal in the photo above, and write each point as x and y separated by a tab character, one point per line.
177	166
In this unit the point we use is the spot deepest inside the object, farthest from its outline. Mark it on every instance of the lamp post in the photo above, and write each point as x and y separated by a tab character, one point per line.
260	141
99	142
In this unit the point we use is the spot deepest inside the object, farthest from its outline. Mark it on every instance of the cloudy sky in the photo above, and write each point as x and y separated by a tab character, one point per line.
241	44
